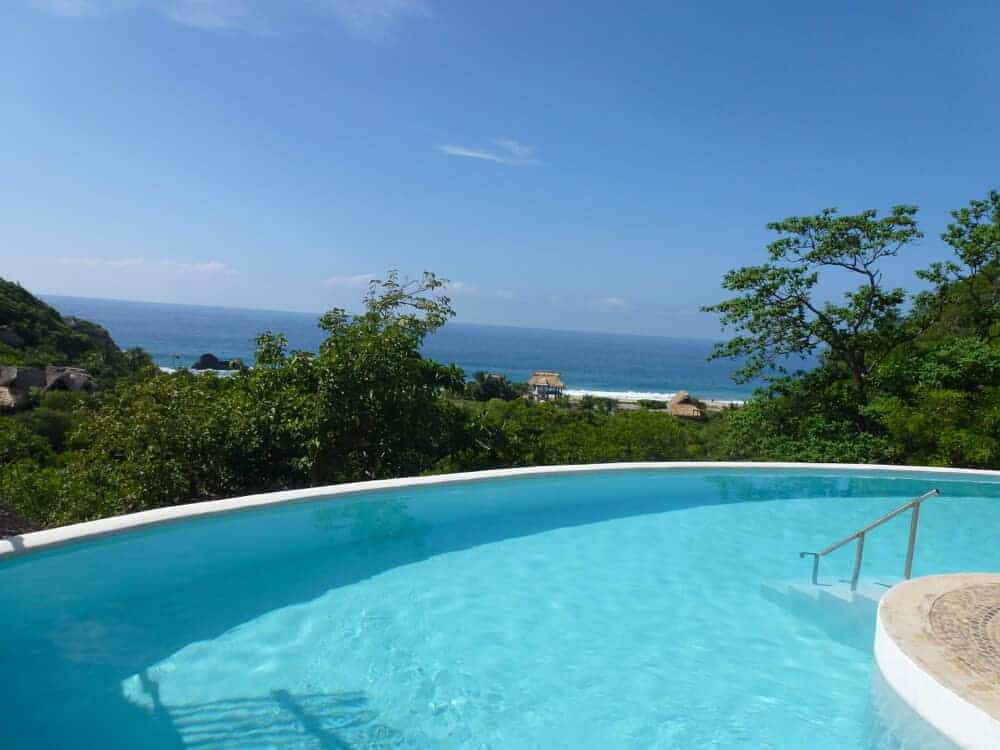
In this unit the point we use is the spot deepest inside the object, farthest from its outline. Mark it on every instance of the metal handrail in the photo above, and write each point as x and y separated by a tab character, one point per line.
860	536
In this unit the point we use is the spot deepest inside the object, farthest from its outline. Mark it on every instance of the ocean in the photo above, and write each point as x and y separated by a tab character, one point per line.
604	364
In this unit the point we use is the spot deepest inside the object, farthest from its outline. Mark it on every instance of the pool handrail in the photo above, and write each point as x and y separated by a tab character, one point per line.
860	536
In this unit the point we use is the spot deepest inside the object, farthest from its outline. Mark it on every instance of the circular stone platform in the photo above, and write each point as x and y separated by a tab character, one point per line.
937	643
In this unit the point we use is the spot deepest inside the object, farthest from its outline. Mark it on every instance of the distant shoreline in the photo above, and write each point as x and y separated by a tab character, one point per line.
575	394
634	397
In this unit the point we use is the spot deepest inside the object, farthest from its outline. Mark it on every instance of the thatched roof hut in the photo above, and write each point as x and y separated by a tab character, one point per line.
684	406
545	384
545	378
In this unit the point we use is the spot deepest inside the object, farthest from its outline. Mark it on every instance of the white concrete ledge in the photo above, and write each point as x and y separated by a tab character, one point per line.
929	676
48	538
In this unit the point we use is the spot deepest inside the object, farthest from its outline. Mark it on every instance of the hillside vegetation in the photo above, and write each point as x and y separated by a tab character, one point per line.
34	334
902	377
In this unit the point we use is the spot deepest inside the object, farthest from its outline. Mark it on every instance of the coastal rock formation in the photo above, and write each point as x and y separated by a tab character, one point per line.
16	383
209	361
684	406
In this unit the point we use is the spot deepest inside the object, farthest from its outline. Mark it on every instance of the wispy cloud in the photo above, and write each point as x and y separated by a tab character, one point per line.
612	304
607	304
110	262
502	151
374	19
368	19
353	281
208	266
201	267
460	287
72	8
505	293
208	15
215	15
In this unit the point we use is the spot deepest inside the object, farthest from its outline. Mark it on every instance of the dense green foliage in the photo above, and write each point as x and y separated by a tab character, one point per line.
647	404
486	386
898	378
530	433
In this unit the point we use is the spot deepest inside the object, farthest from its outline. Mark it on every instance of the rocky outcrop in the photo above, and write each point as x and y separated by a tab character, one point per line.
68	379
209	361
16	383
684	406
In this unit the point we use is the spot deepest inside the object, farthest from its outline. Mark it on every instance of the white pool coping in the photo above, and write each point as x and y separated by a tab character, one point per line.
40	540
945	708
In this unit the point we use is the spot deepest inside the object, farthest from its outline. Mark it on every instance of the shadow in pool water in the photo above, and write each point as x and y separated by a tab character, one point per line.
311	721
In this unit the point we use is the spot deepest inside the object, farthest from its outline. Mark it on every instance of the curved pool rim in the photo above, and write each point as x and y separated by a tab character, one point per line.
63	535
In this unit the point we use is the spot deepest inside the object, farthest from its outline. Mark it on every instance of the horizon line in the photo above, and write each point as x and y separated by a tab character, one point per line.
43	295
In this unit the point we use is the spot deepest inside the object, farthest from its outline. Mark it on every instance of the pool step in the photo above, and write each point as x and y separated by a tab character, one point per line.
848	616
866	597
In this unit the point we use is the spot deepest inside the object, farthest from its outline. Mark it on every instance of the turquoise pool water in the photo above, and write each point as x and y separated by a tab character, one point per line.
615	609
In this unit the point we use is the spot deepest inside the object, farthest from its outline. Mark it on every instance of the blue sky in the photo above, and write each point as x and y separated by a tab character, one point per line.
586	165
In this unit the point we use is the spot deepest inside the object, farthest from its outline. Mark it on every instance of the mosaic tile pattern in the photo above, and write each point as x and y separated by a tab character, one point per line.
949	626
966	621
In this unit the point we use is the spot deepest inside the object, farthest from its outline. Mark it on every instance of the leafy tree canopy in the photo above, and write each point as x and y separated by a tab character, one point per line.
777	315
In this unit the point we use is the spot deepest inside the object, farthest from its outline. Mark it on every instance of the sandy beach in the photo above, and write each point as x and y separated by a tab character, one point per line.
628	400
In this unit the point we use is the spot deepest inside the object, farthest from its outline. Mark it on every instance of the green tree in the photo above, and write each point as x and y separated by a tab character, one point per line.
487	385
965	298
374	406
778	316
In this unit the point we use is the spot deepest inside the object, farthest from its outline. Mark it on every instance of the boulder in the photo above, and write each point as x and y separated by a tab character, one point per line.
209	361
684	406
10	337
67	379
7	375
16	384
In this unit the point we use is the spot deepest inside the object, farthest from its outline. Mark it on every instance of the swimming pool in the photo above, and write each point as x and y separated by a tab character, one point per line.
645	607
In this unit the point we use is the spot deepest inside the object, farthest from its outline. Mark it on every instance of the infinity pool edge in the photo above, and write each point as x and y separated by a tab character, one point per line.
62	535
